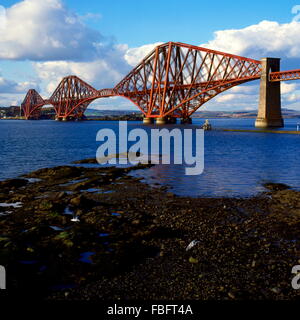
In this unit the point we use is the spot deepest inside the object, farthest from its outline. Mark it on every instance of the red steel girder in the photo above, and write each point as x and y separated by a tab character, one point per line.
285	75
32	104
72	97
174	80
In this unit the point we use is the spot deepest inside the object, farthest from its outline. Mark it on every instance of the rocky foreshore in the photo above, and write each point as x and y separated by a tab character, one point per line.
83	233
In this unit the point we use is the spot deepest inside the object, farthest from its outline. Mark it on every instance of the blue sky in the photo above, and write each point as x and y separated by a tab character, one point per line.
138	22
38	47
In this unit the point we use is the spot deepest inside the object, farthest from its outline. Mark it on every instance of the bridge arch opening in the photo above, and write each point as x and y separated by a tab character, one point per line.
113	105
230	99
41	111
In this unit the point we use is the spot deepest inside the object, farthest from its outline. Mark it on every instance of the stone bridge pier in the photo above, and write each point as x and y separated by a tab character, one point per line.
269	110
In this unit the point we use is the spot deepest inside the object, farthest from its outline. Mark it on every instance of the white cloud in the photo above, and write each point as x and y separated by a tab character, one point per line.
134	56
99	73
267	38
46	30
59	43
293	97
91	16
245	89
226	97
104	72
288	87
11	87
113	103
229	97
2	17
11	99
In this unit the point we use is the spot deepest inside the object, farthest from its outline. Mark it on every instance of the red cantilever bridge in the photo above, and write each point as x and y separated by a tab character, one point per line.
173	81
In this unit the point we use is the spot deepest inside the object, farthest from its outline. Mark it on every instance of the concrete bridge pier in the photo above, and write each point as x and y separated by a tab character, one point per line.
172	120
186	121
166	120
148	120
161	121
269	110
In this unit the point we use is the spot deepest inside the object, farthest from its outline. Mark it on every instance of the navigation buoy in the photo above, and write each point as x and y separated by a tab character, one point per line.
207	126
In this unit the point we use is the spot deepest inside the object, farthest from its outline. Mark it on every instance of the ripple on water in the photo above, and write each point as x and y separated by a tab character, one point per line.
236	163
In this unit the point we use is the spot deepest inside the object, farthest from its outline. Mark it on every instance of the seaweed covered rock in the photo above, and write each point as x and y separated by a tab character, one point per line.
13	183
276	186
82	201
86	161
56	173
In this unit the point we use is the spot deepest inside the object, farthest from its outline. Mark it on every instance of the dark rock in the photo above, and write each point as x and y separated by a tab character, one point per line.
13	183
276	186
61	195
3	196
145	248
78	201
193	260
46	205
56	173
86	161
83	185
136	222
83	202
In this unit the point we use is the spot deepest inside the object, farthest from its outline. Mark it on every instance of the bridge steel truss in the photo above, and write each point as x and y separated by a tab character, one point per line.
174	81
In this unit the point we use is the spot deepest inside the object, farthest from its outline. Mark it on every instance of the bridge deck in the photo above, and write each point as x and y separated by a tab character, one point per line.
285	75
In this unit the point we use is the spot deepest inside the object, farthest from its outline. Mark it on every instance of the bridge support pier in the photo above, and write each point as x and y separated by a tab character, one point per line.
166	120
172	120
161	121
269	110
186	121
65	119
148	120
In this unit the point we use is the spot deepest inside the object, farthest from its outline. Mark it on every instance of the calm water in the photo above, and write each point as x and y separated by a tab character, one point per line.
236	164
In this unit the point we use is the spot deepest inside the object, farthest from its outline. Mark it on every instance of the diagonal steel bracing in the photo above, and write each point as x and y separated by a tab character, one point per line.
174	80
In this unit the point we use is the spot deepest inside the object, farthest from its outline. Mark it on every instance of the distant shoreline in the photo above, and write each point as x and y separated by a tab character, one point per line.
140	118
262	131
49	113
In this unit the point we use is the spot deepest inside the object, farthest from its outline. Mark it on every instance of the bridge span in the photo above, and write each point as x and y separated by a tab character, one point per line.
172	82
